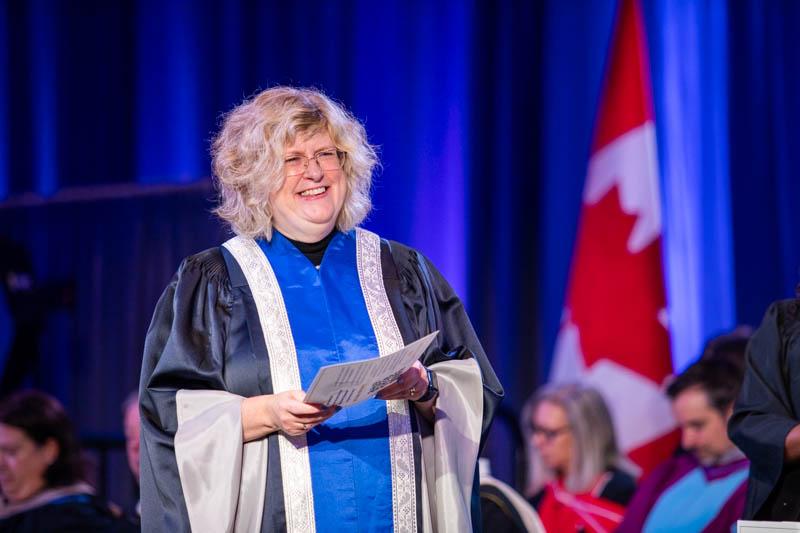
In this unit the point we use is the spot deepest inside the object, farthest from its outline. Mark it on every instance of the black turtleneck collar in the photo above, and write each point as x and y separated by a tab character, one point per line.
314	250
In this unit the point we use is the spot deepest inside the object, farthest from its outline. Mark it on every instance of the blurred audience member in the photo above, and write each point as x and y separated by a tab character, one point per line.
702	489
131	423
574	477
731	347
24	307
766	420
22	315
130	413
503	509
42	473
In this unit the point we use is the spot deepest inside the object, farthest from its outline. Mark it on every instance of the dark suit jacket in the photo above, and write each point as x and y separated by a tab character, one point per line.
767	409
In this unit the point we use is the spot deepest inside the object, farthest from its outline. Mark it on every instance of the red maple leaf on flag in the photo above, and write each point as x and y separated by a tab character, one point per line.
607	278
614	332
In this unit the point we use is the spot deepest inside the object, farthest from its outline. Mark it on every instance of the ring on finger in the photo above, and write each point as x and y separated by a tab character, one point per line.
305	427
412	391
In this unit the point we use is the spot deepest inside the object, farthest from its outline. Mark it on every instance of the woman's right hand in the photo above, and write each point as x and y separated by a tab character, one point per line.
285	411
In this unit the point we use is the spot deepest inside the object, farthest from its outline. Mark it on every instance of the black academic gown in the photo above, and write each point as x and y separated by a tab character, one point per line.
767	409
205	334
82	513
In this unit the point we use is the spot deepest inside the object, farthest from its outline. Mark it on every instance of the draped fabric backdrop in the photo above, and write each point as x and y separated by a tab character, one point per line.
483	113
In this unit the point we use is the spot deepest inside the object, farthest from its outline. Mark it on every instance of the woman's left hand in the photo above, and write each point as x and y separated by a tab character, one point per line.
411	385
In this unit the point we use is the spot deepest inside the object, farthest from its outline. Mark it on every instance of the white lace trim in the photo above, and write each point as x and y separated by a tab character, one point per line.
401	449
298	496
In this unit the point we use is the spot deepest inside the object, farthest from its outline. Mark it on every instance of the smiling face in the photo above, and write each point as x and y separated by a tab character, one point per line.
307	205
23	463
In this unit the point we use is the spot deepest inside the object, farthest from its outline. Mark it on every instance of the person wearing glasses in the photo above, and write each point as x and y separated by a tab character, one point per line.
228	444
575	475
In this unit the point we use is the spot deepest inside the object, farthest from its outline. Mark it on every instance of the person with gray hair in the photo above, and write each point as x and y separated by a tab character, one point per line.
228	442
574	474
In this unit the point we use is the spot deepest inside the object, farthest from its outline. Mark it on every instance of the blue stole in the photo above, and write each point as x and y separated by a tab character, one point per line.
693	501
349	453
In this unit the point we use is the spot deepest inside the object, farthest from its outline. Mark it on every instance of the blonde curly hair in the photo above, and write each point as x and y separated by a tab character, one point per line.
248	154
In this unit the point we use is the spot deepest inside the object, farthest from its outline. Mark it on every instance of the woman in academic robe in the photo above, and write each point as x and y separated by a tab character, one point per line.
228	443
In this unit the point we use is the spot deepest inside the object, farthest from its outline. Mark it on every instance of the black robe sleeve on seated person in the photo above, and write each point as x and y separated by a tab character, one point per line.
767	409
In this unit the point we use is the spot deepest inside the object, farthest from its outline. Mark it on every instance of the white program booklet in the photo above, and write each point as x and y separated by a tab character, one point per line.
752	526
348	383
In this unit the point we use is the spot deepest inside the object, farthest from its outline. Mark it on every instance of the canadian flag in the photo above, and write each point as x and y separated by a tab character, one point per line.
614	332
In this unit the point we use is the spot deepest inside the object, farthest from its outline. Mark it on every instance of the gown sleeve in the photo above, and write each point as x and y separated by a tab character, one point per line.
469	392
763	414
184	349
431	303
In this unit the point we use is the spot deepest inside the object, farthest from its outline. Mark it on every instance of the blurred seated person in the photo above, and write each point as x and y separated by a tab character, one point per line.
131	425
503	509
731	347
703	488
574	478
42	474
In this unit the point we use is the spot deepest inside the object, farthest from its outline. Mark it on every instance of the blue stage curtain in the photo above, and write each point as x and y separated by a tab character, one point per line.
689	58
765	152
4	122
576	37
483	115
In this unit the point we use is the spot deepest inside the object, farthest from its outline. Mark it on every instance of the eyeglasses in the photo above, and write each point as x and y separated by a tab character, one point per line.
327	160
548	434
